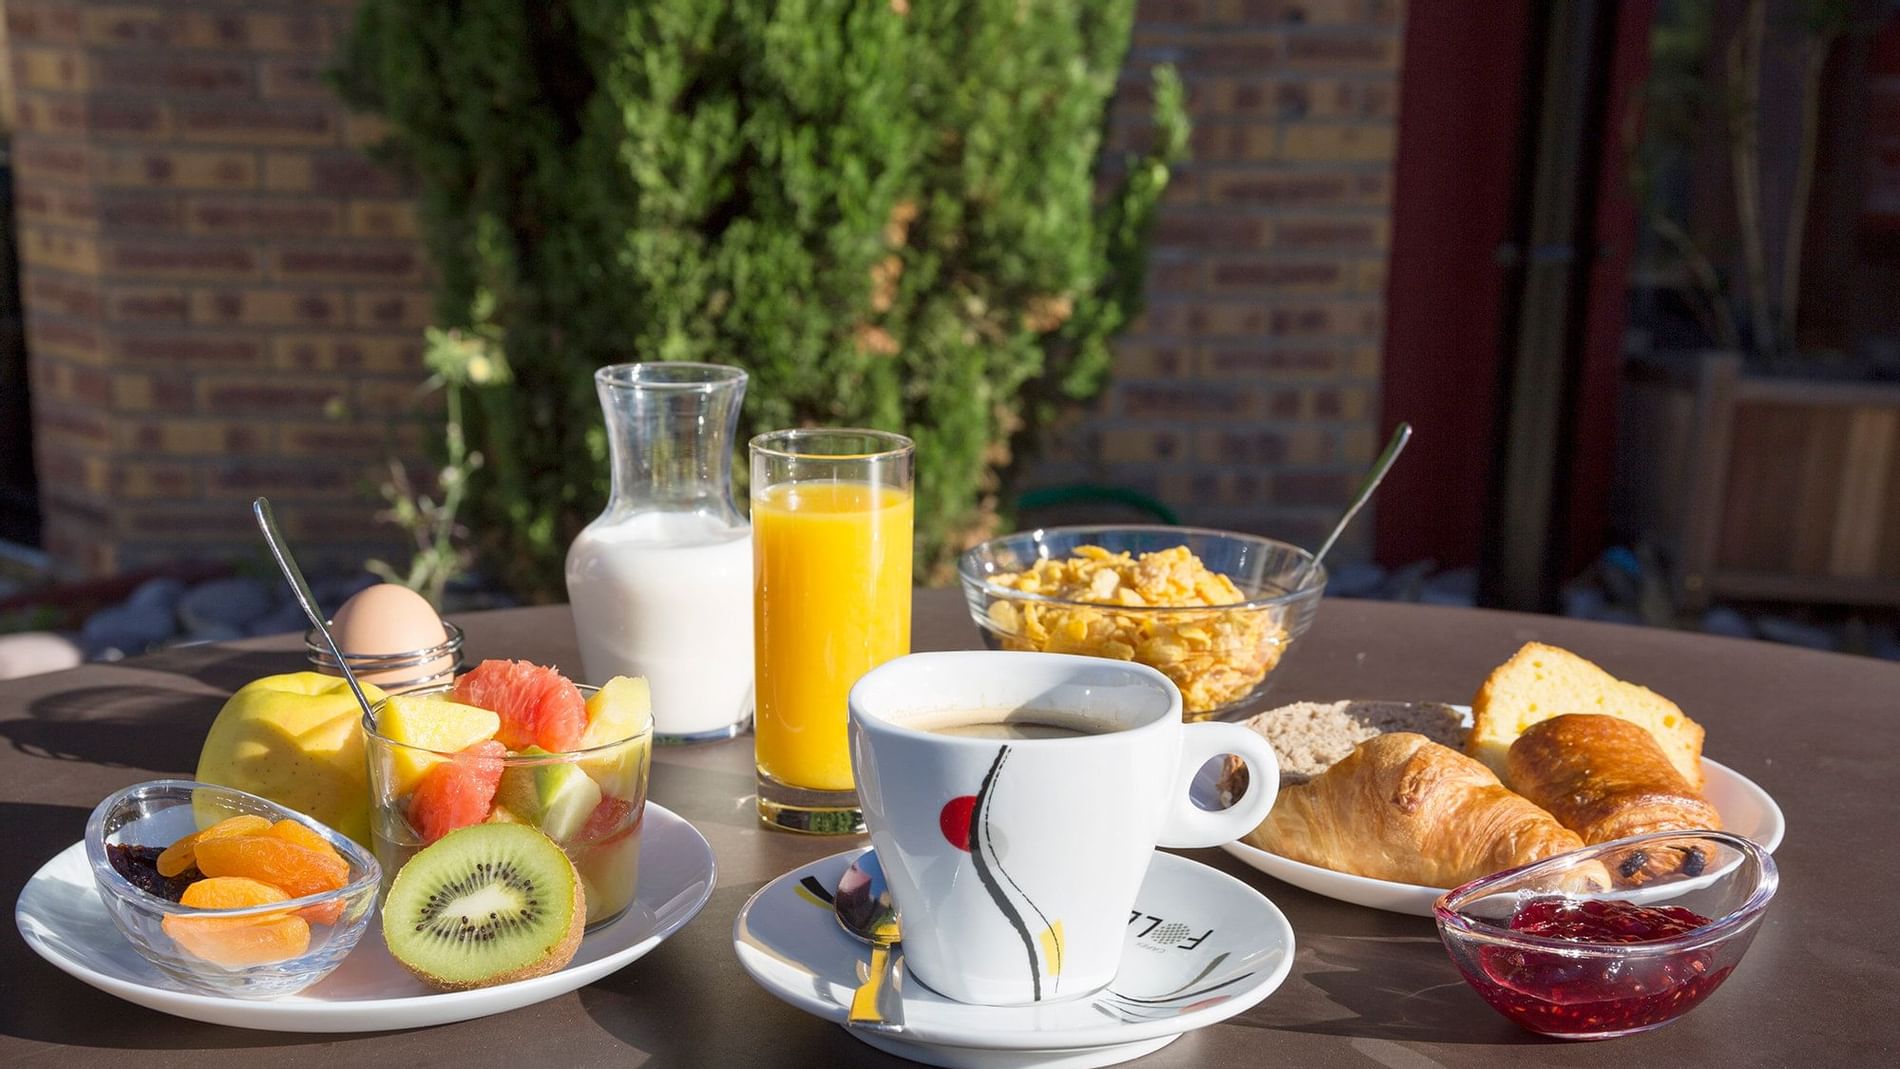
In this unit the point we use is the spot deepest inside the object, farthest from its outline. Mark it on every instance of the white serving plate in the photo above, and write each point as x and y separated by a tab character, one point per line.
1746	810
60	916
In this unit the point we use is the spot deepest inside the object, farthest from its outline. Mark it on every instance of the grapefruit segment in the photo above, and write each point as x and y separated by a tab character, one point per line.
607	823
457	792
538	706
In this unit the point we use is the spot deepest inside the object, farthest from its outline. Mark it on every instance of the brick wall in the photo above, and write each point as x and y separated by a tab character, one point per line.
223	294
1247	397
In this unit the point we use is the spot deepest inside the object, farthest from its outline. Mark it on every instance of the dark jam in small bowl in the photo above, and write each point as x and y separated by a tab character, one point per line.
1560	994
1565	947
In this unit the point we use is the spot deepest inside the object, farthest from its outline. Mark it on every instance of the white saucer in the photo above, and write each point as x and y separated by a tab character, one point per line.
1201	947
60	916
1746	810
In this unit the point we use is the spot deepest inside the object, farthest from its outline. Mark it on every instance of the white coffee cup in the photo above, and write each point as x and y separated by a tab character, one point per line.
1058	832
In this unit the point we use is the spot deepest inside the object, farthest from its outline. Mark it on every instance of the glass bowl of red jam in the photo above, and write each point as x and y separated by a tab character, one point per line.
1613	939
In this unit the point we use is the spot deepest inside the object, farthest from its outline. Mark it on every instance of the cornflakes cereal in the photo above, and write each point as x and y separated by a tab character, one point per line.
1215	658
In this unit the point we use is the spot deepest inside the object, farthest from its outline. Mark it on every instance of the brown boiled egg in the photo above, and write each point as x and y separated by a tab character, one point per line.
389	619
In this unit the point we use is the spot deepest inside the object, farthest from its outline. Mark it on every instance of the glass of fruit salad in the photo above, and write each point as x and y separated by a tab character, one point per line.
517	743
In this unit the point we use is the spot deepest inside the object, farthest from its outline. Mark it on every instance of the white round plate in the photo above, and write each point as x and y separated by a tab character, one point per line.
1746	810
60	916
1200	947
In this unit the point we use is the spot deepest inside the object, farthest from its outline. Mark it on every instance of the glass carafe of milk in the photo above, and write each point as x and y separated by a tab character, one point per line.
661	582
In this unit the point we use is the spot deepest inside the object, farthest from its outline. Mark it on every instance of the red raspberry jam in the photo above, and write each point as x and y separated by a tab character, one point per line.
1598	995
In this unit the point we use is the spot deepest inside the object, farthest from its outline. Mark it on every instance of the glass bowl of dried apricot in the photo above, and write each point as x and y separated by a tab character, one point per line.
227	892
1214	611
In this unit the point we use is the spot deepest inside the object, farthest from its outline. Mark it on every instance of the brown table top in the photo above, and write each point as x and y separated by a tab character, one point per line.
1819	731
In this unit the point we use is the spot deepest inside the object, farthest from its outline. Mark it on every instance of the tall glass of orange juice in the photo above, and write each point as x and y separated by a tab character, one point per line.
831	537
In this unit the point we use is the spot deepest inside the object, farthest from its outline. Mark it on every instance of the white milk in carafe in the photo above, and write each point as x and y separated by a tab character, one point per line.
668	596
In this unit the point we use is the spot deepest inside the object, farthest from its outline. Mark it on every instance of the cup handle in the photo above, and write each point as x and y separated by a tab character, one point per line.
1189	826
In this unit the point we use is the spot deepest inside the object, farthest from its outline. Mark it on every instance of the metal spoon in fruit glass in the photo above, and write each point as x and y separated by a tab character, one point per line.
864	909
1400	435
301	590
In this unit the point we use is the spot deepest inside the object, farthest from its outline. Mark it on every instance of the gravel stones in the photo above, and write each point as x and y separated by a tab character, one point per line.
231	602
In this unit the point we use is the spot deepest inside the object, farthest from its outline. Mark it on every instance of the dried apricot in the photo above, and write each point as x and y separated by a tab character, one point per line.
303	835
296	831
298	870
325	912
231	892
237	942
180	855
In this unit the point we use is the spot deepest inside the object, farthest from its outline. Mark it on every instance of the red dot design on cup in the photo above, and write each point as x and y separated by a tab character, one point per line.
955	820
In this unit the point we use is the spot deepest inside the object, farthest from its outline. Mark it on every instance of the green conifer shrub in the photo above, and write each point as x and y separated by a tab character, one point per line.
893	213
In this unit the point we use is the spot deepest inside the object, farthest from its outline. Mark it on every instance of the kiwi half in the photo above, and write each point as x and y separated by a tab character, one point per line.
484	905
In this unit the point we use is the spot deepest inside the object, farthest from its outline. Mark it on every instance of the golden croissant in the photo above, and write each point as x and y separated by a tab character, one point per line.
1404	808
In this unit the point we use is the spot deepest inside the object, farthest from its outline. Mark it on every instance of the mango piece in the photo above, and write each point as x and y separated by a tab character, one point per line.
429	724
296	739
621	709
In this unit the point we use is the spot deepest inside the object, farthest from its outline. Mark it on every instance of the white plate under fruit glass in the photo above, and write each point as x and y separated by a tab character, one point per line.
1746	810
60	916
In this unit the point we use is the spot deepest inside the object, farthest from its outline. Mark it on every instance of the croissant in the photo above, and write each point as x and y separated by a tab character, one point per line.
1401	807
1604	778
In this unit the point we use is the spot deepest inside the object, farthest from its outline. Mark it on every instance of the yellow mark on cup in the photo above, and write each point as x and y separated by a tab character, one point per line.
1052	948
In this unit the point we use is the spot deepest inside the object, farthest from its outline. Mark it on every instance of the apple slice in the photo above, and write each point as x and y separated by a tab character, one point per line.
621	709
429	724
557	797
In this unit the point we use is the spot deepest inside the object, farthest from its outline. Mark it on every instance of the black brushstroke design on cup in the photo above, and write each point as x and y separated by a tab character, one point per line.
987	870
1055	978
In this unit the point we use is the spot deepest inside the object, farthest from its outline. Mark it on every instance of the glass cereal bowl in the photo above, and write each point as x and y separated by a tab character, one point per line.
1218	636
233	952
1549	950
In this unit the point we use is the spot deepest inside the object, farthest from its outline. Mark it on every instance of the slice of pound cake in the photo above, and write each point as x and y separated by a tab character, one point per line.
1310	737
1542	681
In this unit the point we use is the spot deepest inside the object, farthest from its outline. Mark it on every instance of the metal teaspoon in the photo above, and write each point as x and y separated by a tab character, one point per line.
1374	476
294	576
865	911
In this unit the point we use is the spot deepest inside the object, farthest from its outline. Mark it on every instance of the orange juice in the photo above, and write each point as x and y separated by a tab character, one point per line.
831	583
